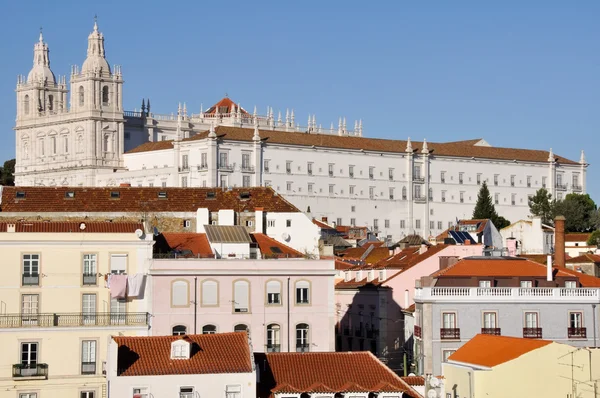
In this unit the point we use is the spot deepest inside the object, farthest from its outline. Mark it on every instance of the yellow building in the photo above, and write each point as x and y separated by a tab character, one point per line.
56	311
497	366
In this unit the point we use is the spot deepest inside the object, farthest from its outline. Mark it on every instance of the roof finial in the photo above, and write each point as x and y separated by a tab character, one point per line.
41	35
582	158
256	136
211	132
425	149
551	156
96	23
408	146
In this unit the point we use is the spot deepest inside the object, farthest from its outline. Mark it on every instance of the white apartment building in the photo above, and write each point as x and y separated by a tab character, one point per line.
394	187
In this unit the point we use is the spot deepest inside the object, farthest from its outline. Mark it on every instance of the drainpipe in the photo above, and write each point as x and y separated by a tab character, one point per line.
195	303
288	314
594	322
471	384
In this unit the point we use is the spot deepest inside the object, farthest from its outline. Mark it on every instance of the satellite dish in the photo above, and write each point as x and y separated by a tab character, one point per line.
434	382
139	233
412	374
285	236
82	226
431	394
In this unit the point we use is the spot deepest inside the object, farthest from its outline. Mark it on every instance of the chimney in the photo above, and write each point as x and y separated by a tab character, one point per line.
258	220
202	219
10	228
423	248
549	268
559	241
406	305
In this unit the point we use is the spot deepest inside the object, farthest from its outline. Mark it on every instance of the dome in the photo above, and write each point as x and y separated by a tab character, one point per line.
95	54
95	62
41	64
41	72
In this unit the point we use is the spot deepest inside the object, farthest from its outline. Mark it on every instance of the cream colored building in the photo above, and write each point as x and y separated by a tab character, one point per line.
499	366
56	313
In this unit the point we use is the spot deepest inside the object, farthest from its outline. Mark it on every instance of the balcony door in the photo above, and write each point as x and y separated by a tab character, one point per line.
30	309
118	310
531	320
575	320
88	309
29	359
449	320
273	344
489	320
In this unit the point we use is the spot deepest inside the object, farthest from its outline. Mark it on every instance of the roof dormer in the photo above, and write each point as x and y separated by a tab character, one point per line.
180	349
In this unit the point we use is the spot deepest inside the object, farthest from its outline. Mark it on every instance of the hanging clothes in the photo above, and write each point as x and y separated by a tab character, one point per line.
134	284
118	286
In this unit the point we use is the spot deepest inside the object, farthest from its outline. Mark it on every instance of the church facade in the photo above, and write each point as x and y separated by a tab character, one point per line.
81	136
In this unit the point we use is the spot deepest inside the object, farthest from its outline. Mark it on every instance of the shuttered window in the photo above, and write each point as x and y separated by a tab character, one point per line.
209	293
241	292
179	294
273	292
118	263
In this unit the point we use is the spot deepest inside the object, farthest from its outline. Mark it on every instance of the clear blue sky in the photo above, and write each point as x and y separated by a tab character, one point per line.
517	73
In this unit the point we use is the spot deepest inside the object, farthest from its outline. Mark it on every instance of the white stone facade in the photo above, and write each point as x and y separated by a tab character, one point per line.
393	187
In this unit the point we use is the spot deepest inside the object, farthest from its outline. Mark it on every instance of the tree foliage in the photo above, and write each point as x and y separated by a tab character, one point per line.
541	205
594	238
7	173
484	208
580	212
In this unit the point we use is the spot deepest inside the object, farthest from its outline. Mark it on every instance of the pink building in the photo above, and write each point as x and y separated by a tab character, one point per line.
286	304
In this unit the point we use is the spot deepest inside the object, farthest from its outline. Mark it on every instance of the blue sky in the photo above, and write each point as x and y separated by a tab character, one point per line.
519	74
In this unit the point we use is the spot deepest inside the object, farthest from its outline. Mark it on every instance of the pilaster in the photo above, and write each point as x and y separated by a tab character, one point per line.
426	230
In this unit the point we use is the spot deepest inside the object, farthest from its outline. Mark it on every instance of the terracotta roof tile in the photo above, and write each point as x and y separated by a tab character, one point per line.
270	248
355	253
342	265
577	237
487	350
69	226
152	146
321	224
495	267
584	279
584	258
226	103
455	149
210	353
414	380
196	243
339	371
138	199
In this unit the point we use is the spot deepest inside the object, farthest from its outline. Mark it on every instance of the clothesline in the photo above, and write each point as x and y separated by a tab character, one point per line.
122	285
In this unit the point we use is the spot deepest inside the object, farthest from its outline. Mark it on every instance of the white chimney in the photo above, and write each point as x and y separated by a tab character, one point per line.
370	275
348	276
10	228
423	248
549	268
358	276
258	221
226	217
202	219
406	305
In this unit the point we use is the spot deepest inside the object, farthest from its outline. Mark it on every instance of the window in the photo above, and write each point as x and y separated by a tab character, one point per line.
180	349
271	223
41	147
391	174
184	181
478	178
203	160
489	320
86	394
443	196
496	179
531	320
528	181
105	95
302	292
446	354
273	292
30	308
29	355
222	181
209	329
496	198
386	223
449	320
245	161
417	171
302	338
26	105
81	96
266	166
143	391
288	167
89	269
187	223
180	294
576	320
512	181
461	178
273	344
571	284
118	263
88	308
543	182
402	224
526	284
485	283
179	330
462	197
431	224
331	166
31	269
223	160
53	145
288	223
439	225
233	391
513	199
241	296
353	222
331	189
210	291
288	186
375	224
309	168
418	224
559	196
184	162
351	171
310	188
403	193
371	192
118	310
186	392
50	102
66	144
241	328
443	176
352	209
391	193
351	190
338	221
371	172
88	357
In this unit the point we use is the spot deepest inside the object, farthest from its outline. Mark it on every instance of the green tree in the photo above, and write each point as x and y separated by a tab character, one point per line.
594	238
541	205
484	208
579	210
500	222
7	173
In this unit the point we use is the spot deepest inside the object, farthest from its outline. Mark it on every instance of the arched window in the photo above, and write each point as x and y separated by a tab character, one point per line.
302	338
105	95
273	292
180	294
106	141
302	292
210	291
241	328
42	150
50	102
81	96
66	142
403	193
209	329
53	145
26	105
179	330
273	344
241	296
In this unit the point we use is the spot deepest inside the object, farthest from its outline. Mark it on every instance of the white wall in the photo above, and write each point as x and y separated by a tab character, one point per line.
303	235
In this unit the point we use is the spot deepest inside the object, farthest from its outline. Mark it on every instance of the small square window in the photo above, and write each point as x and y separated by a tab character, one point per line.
115	194
288	223
187	223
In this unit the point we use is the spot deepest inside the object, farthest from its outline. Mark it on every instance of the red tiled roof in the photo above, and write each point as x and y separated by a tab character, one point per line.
227	103
411	308
414	380
488	350
270	248
69	226
495	267
321	224
584	258
342	265
196	243
410	257
355	253
152	146
482	223
138	199
210	353
584	279
339	371
465	149
577	237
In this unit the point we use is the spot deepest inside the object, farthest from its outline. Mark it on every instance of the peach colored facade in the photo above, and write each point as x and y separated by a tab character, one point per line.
185	289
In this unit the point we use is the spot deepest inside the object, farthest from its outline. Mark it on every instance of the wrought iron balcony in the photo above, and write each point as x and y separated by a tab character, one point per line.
577	333
31	279
225	167
247	169
8	321
418	178
303	347
577	188
417	331
273	347
532	333
88	368
450	334
184	168
90	279
39	370
561	186
202	167
492	331
419	199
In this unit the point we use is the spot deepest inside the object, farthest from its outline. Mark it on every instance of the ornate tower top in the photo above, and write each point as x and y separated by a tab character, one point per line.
41	63
408	146
425	149
551	156
582	158
95	53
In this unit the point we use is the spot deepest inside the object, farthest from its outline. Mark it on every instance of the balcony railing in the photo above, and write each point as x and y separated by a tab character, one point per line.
450	334
302	347
184	168
273	347
39	370
8	321
531	294
561	187
90	279
419	199
577	188
532	333
226	167
492	331
202	167
88	368
247	169
31	279
418	179
418	332
577	333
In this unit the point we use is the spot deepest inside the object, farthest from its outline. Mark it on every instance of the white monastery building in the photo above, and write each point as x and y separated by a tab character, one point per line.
81	136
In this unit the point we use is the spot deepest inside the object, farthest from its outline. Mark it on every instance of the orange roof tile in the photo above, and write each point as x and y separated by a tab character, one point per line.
138	199
495	267
69	226
584	258
225	105
339	371
355	253
321	224
270	248
210	353
577	237
196	243
342	265
414	380
488	350
584	279
152	146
